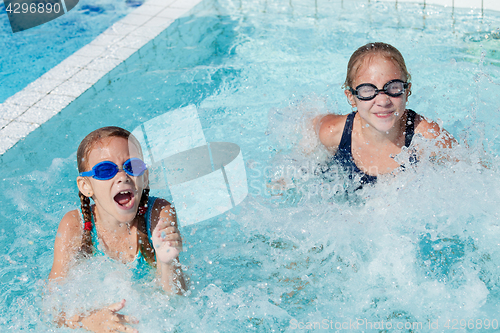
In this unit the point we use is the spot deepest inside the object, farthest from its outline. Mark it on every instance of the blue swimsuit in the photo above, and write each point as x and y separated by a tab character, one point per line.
139	266
344	158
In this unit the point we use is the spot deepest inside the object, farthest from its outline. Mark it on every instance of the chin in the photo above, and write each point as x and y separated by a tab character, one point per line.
125	216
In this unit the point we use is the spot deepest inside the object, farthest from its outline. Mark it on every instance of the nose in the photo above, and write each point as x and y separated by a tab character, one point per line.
122	175
382	98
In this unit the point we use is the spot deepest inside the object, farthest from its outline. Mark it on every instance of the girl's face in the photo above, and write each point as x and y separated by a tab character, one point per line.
117	198
382	112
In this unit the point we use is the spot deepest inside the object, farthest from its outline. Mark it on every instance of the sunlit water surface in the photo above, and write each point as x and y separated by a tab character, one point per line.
419	247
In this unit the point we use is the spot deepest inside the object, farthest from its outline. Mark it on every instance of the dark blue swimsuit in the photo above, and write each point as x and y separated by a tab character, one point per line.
343	156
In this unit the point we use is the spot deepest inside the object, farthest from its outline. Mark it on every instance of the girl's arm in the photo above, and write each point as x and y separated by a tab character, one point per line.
431	130
329	129
167	243
67	244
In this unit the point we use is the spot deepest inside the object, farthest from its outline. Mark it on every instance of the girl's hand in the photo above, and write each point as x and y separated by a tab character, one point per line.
108	320
166	241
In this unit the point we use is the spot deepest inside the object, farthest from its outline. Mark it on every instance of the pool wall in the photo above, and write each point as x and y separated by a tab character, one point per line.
48	95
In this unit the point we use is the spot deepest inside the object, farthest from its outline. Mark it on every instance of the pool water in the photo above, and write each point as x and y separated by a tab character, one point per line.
26	55
420	247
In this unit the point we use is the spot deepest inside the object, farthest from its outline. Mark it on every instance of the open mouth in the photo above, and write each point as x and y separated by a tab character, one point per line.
125	199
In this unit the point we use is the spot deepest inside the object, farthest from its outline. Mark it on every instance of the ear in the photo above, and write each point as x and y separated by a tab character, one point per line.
350	98
408	91
84	186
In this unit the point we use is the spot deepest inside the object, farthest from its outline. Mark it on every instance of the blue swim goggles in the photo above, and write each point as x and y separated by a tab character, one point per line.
107	170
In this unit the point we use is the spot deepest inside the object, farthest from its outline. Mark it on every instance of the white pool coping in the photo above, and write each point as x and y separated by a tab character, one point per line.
48	95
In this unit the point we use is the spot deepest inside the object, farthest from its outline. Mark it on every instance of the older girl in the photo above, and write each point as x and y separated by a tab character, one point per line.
377	87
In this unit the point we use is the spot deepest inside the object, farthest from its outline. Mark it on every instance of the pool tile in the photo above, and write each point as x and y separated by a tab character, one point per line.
133	42
161	3
6	142
117	52
61	72
148	9
17	130
36	115
188	4
106	40
90	51
103	64
72	88
172	13
149	31
4	123
120	28
77	61
54	102
88	76
159	22
26	97
43	85
11	111
134	19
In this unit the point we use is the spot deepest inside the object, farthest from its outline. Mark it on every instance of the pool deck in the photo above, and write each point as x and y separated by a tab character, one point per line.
48	95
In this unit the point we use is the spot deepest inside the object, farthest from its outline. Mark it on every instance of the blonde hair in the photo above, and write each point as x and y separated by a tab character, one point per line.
370	49
82	154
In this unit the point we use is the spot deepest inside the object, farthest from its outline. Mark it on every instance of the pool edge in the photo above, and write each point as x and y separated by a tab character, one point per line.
45	97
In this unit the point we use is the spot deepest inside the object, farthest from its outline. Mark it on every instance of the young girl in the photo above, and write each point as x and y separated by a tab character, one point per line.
124	223
364	141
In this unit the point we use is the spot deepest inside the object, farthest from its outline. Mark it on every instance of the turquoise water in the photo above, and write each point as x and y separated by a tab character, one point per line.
27	55
420	247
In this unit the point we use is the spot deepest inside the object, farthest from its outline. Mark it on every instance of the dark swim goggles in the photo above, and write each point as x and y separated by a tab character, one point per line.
106	170
368	91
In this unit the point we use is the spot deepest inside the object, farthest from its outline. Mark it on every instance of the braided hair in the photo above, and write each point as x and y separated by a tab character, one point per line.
82	155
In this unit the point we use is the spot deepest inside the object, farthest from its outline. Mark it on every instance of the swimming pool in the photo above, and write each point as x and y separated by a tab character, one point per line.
396	254
29	54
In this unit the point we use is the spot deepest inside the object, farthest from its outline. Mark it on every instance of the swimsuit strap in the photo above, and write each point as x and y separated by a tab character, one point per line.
410	126
344	153
345	141
147	217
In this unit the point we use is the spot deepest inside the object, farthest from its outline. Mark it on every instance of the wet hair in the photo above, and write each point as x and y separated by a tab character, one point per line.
82	154
371	49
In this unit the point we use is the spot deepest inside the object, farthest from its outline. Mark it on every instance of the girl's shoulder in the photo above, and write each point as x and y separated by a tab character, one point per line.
431	130
329	129
71	225
160	204
67	244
